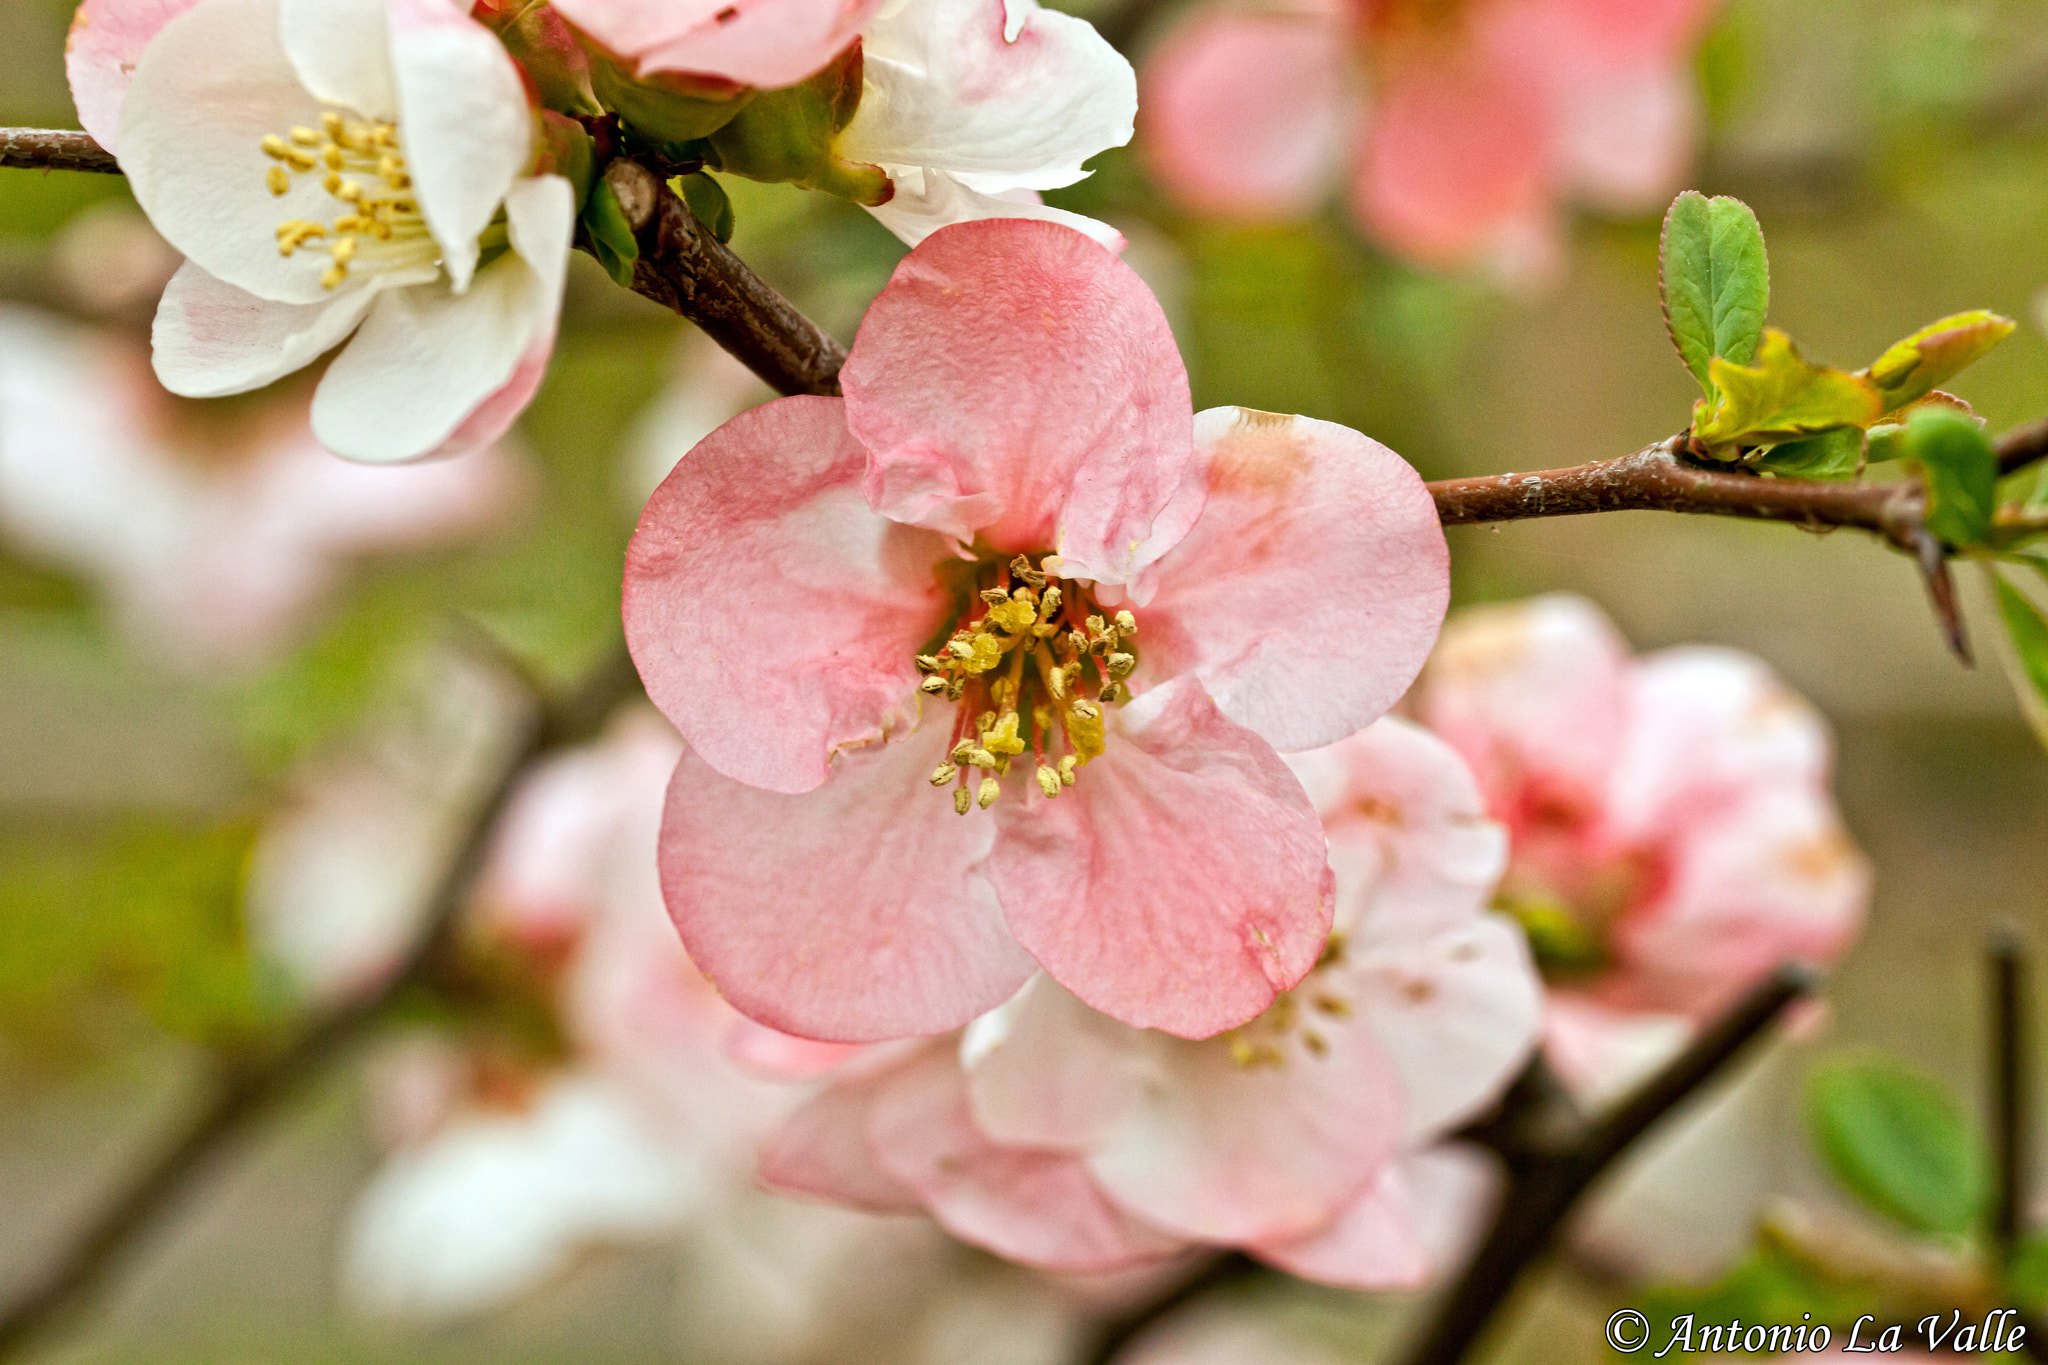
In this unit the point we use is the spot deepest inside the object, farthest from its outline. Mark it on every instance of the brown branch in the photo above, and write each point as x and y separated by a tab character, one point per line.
246	1093
51	149
2022	446
684	268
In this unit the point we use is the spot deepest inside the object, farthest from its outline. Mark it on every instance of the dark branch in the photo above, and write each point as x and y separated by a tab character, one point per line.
54	150
684	268
1546	1181
249	1091
2023	446
2010	1127
1230	1268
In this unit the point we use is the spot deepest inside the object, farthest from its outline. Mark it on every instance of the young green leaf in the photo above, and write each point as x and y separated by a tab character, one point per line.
1896	1141
1780	398
611	236
707	200
1716	281
1836	454
1910	369
1961	470
2026	655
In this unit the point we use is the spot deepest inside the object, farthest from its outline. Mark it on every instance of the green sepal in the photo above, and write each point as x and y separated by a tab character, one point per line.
546	49
1716	282
1834	454
1898	1142
566	150
1887	440
786	136
611	236
1960	468
708	201
1910	369
668	109
1780	398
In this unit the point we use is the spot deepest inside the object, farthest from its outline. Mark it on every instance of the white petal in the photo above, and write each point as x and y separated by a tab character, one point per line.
426	358
207	91
925	203
212	339
342	52
946	87
463	120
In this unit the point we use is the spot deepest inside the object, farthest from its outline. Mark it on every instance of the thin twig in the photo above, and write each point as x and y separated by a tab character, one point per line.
2010	1128
52	149
246	1093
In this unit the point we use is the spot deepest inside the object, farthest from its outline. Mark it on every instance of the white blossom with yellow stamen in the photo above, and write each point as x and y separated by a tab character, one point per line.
350	171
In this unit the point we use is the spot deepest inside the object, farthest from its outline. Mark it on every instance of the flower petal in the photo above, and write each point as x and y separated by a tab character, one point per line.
1248	114
341	50
823	1149
1409	839
766	43
209	88
1017	380
1309	591
851	913
426	359
774	618
1057	1075
1180	884
464	122
1038	1207
1226	1151
1001	94
211	339
1419	1217
106	41
926	201
1458	1012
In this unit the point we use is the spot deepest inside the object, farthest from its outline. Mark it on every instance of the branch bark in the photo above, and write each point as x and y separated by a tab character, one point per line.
247	1092
52	149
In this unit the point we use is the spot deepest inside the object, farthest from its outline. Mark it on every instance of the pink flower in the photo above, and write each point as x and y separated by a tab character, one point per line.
215	535
1480	117
955	577
1672	831
767	43
1054	1135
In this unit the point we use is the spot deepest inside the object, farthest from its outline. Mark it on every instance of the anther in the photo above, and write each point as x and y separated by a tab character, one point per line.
1051	601
1067	771
1048	781
1126	624
943	774
961	801
982	759
962	750
928	663
995	597
1120	665
990	790
932	686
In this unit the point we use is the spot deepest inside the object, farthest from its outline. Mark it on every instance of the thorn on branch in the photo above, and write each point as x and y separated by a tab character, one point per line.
1932	558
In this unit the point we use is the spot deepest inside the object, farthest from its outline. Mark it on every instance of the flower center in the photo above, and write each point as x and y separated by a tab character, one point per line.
1030	673
378	224
1291	1018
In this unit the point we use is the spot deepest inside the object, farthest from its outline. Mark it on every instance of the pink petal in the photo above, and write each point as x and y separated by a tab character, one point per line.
1410	843
851	913
1180	884
107	38
1247	113
1309	591
767	1052
1583	34
767	43
1028	1205
1457	154
1419	1218
1017	381
773	617
1056	1074
1602	1052
1226	1152
1532	692
823	1150
1625	142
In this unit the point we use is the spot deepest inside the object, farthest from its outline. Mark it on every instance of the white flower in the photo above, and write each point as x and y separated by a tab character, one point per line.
350	170
973	106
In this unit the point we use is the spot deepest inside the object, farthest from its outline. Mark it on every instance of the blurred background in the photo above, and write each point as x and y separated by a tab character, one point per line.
247	698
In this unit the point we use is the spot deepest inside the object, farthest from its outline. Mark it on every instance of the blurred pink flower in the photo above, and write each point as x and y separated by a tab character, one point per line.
215	532
1015	480
1673	836
1054	1135
352	174
1465	124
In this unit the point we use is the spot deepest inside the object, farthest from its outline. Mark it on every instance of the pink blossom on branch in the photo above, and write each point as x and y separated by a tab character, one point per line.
1464	125
1052	1134
1673	836
1012	564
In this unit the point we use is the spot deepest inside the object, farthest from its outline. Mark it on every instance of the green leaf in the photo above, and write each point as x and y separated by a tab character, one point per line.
2026	661
1961	470
1896	1141
707	199
1716	281
1836	454
1781	398
2026	1278
1910	369
611	236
